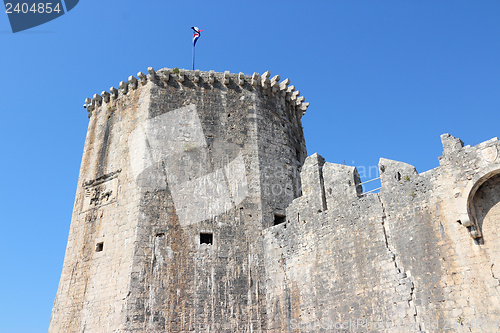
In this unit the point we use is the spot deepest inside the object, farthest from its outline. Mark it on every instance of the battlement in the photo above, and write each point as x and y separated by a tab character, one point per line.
328	185
194	79
408	251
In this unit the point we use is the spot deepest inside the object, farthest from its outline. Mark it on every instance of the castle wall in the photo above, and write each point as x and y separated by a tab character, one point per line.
191	215
396	260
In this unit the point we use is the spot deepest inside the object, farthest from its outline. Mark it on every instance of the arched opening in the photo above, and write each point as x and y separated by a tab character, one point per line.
485	209
467	202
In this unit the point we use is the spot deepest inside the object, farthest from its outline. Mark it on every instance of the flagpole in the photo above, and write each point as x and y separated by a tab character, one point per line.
196	35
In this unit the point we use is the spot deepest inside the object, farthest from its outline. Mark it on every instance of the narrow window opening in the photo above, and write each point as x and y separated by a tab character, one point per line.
206	238
398	176
99	247
279	218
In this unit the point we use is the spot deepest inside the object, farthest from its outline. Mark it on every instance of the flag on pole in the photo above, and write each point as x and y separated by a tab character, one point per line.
196	34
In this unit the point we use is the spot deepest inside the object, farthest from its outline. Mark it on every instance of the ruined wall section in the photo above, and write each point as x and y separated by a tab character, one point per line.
402	258
414	231
437	237
468	182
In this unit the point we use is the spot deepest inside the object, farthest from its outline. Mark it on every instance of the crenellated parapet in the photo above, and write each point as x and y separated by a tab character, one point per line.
455	184
200	79
326	185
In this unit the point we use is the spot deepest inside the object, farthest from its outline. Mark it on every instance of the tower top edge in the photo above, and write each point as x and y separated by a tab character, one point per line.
198	78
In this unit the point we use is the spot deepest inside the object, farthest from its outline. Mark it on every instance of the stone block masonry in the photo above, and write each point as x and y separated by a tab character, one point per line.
181	172
418	256
198	211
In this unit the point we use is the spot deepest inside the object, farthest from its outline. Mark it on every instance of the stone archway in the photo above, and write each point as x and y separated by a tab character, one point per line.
469	206
485	207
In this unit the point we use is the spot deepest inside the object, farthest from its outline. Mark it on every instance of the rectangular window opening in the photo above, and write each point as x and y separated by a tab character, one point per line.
206	238
279	218
99	247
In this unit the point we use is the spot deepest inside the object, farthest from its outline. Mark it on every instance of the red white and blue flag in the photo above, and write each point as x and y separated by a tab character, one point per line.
196	34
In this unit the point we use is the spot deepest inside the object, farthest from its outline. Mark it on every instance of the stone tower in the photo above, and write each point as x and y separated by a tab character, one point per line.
181	173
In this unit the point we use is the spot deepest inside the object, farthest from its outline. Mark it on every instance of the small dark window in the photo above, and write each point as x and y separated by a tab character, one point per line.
206	238
278	219
99	247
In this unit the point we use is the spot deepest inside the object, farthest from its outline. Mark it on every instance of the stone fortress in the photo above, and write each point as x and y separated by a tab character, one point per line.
198	210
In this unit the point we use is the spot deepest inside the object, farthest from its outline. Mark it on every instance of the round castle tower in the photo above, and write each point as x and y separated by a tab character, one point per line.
181	172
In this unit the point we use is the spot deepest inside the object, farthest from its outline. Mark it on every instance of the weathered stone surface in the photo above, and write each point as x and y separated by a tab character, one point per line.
191	215
398	258
164	165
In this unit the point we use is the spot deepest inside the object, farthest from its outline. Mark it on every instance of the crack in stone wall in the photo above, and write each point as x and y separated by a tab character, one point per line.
406	285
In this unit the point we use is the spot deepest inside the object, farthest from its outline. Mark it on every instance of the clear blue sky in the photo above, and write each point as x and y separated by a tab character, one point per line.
384	79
